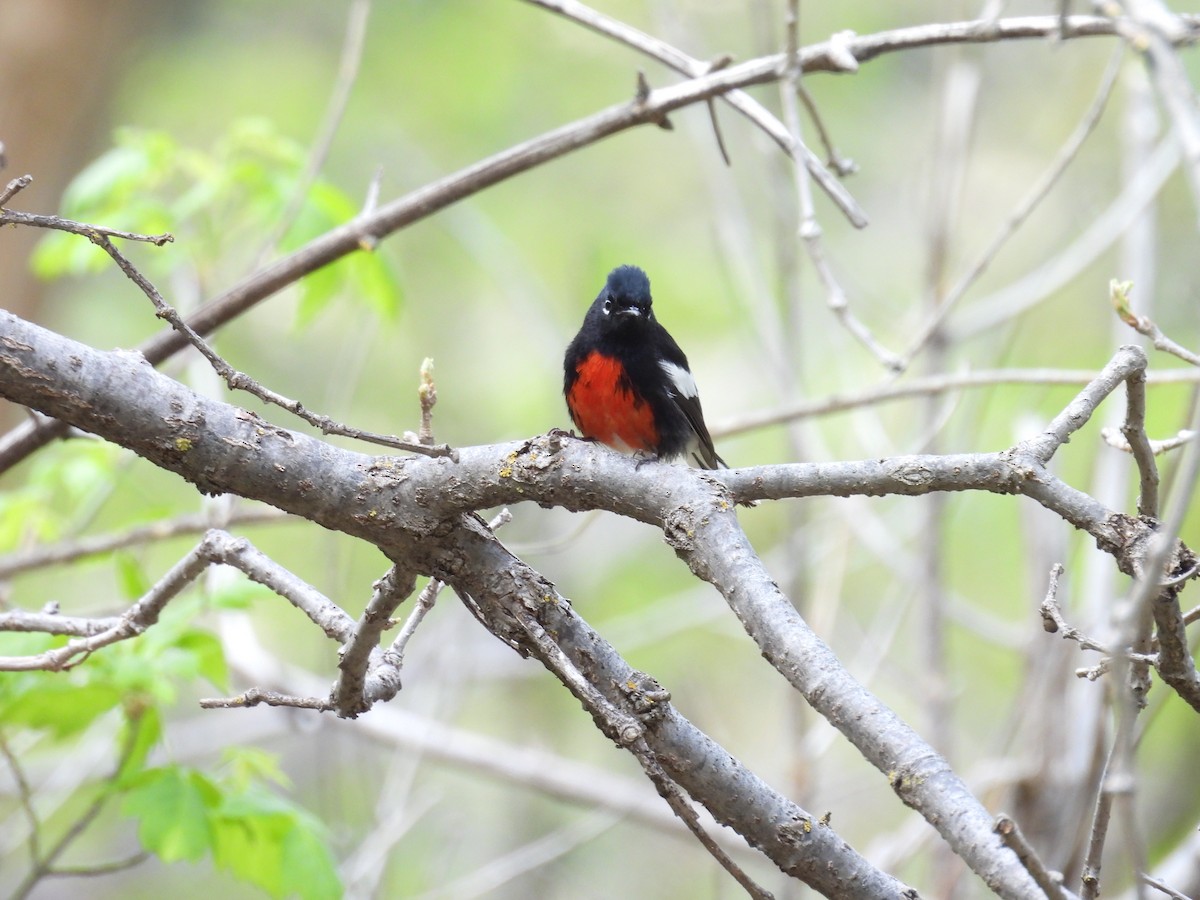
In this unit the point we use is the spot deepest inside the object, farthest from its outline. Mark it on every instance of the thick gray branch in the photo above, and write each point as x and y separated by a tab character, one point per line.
831	56
414	510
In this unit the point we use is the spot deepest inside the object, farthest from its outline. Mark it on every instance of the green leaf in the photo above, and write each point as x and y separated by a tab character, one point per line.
174	806
130	575
309	868
264	839
249	843
208	655
59	253
246	765
240	594
147	725
375	283
59	705
317	289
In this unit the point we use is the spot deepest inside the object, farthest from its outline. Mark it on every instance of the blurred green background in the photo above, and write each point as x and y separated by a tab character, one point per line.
947	141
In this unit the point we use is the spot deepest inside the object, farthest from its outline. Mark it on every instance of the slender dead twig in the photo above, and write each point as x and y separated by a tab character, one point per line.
14	187
44	865
1114	439
1022	211
928	384
348	66
1164	888
830	56
237	380
257	696
24	798
1119	294
95	233
654	47
1134	431
81	548
215	547
352	694
809	229
1011	834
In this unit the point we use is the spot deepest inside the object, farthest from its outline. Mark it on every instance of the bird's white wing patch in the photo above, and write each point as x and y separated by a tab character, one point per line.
682	382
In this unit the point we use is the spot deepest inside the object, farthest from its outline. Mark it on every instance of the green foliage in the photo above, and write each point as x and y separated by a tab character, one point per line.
237	816
259	836
62	480
239	594
222	205
57	705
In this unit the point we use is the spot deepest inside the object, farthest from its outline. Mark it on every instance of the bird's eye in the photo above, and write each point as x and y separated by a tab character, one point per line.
607	306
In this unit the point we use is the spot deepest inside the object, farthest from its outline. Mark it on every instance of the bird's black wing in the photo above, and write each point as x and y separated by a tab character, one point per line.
686	397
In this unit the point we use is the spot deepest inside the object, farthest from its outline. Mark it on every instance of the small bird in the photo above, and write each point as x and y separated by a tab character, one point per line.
628	384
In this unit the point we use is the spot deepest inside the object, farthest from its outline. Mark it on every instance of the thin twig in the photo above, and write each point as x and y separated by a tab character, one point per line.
629	733
255	696
809	229
842	165
1010	833
14	187
352	694
1159	886
94	233
25	798
1102	814
1119	293
682	807
1065	156
676	59
429	199
45	866
215	547
348	66
70	551
238	380
929	384
1152	29
1116	440
108	868
1134	431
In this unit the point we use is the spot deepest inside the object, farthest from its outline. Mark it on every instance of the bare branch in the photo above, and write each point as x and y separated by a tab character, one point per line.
1159	886
162	530
926	385
215	547
1050	883
243	382
356	690
1134	431
809	229
256	696
348	65
401	505
95	233
391	217
1115	439
1119	293
1153	30
14	187
1021	212
787	139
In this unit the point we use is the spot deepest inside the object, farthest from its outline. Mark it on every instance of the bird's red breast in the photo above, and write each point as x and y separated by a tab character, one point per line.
606	409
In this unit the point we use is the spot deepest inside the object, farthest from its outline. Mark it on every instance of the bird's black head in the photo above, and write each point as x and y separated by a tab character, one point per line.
625	300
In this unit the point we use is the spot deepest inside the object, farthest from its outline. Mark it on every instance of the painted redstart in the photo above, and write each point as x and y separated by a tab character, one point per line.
626	381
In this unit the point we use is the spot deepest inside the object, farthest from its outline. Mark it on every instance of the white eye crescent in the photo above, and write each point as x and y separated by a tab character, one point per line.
607	307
